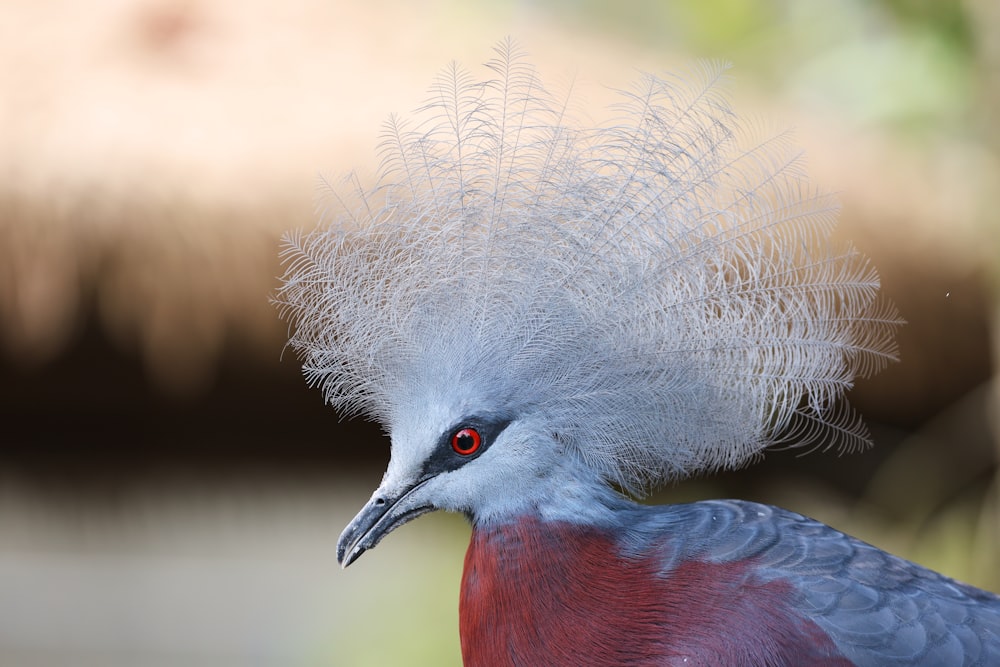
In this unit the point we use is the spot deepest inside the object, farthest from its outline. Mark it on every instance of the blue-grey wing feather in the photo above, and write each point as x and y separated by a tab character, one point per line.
877	609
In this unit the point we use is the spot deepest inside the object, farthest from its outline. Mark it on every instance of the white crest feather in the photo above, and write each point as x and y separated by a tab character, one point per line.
661	291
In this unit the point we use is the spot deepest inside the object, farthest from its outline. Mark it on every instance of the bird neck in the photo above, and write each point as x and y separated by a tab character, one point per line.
569	493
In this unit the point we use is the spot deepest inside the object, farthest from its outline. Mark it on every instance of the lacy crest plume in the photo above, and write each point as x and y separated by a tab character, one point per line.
661	291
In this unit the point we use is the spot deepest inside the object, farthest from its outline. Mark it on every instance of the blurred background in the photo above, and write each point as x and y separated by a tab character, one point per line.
171	491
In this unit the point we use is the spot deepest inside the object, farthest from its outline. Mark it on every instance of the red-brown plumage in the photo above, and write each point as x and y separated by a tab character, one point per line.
554	593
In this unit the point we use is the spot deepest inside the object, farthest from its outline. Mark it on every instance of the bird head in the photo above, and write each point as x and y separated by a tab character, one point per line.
483	465
538	311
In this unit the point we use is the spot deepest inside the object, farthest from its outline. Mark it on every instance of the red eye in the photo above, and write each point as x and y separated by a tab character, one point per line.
466	441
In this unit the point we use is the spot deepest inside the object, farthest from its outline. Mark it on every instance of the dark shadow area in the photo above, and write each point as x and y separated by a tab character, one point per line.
92	420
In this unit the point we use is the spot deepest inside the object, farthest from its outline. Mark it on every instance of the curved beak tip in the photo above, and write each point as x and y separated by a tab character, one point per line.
347	556
348	547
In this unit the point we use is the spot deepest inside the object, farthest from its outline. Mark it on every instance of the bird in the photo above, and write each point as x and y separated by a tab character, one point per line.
550	318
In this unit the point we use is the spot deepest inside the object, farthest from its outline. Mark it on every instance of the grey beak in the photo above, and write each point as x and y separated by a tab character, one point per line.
381	515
